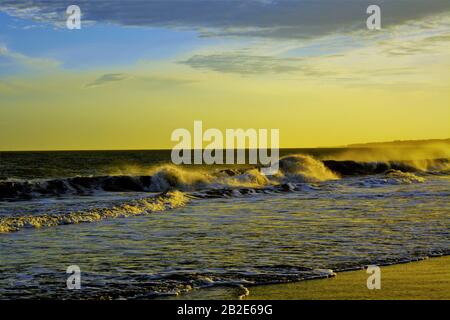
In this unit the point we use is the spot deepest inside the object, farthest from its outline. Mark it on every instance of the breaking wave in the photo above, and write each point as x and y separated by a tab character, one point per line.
303	168
177	185
157	203
292	169
169	176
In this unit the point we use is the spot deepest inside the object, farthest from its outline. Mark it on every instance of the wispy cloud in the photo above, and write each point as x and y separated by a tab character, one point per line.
108	78
111	78
424	45
15	60
246	64
399	55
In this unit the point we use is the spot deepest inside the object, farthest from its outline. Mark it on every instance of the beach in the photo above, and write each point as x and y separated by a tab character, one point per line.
424	280
427	279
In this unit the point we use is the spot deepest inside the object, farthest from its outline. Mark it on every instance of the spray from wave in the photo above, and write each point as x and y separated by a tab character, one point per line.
303	168
169	176
426	155
297	168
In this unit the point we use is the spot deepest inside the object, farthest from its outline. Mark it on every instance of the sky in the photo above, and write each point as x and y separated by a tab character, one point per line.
137	70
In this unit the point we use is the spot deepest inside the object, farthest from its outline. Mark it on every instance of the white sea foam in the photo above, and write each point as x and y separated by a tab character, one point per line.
391	177
133	208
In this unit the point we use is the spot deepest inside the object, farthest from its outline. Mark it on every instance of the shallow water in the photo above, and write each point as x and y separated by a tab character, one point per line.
262	238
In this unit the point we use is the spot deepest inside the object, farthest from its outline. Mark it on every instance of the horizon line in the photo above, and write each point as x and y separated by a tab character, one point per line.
351	145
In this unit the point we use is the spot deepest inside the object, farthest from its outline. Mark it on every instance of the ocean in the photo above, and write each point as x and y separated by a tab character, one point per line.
139	227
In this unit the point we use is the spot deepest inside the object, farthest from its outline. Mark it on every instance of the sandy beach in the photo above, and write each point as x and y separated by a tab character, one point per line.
428	279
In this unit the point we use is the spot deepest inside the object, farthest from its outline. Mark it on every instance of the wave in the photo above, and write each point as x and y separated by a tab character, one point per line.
156	203
177	185
293	169
304	168
391	177
354	168
20	189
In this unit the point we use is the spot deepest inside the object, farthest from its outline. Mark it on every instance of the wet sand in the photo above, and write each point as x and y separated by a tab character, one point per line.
424	280
427	279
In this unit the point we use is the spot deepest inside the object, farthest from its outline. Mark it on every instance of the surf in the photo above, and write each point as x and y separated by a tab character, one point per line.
296	168
158	203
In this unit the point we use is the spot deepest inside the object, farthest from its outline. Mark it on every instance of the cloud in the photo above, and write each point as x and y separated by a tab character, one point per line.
400	57
11	60
425	45
246	64
284	19
337	57
242	63
107	78
110	78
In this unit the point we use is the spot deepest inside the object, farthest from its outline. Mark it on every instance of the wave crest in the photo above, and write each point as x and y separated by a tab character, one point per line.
169	176
292	169
250	179
157	203
303	168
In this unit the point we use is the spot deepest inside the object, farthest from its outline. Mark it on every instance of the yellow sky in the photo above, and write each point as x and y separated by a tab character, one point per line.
393	87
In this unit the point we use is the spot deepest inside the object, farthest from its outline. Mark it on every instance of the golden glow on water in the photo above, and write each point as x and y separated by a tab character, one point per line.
262	238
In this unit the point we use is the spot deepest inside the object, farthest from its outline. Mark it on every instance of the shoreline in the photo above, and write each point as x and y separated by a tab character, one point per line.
427	279
418	280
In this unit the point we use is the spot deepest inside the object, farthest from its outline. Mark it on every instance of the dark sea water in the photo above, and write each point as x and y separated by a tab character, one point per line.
48	165
139	227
